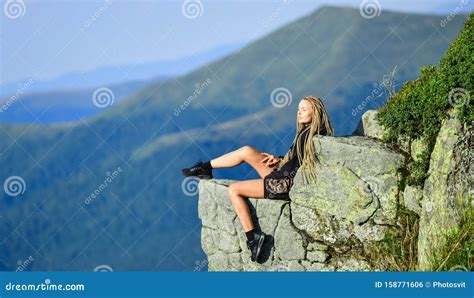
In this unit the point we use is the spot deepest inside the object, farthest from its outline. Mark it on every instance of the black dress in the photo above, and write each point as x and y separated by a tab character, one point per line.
278	183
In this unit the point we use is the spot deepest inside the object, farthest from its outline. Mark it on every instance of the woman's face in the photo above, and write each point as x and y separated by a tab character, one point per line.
305	112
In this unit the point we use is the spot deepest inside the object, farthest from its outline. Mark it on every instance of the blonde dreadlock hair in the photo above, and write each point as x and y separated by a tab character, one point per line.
320	123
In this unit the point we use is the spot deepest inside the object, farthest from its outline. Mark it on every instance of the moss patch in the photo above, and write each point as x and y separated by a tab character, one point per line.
417	110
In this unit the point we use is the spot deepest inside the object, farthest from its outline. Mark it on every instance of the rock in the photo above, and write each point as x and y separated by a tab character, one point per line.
337	223
222	234
322	227
353	264
317	256
317	246
288	241
446	191
312	266
325	227
357	179
412	197
221	261
289	266
369	126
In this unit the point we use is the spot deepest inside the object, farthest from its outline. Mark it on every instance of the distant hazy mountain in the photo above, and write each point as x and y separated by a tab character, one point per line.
145	218
63	106
69	97
112	75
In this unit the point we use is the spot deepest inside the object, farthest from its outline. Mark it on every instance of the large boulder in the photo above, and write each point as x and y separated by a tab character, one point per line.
327	226
447	191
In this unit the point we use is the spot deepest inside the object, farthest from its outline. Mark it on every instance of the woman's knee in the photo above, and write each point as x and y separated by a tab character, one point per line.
247	150
232	190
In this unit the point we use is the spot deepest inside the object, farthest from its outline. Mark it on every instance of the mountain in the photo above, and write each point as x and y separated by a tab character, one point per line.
108	189
59	107
113	75
70	97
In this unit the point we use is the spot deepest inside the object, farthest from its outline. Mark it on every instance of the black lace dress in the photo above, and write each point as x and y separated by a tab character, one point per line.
278	183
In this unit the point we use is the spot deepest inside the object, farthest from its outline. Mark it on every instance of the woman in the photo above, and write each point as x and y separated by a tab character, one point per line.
277	172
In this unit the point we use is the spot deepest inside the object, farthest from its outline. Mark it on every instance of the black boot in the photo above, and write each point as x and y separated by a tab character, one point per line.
198	171
255	246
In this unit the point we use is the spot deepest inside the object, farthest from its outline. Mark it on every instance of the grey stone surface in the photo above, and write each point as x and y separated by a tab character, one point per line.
333	224
349	205
447	191
369	126
412	196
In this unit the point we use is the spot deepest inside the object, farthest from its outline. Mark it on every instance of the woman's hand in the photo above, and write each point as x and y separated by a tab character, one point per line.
270	160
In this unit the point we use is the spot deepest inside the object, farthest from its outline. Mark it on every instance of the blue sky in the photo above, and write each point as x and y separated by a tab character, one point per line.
50	38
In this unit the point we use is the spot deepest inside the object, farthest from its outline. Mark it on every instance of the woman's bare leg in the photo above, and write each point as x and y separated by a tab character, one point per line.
246	153
238	193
